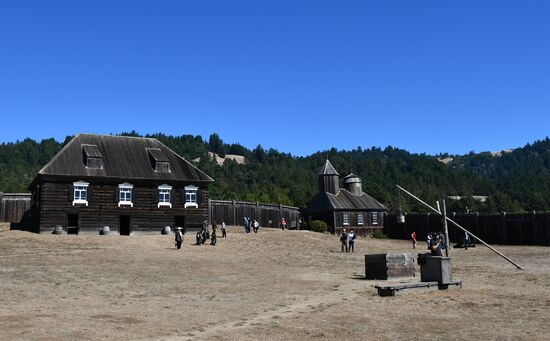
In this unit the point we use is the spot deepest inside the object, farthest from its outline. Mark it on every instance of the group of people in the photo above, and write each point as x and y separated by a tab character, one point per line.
202	236
347	240
251	223
436	242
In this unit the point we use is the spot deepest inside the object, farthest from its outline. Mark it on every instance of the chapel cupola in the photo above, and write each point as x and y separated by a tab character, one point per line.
329	179
353	184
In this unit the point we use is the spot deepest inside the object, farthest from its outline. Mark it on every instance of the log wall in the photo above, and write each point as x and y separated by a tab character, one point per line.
56	198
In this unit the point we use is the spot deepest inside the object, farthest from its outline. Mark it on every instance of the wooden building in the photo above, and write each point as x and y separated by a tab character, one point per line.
347	207
131	184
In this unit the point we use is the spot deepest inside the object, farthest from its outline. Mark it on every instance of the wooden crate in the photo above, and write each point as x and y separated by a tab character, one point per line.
389	265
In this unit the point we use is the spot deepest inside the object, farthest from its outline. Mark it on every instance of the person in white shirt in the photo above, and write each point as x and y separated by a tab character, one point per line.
351	241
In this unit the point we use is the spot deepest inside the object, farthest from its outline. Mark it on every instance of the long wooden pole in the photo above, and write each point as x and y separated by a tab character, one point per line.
462	228
447	246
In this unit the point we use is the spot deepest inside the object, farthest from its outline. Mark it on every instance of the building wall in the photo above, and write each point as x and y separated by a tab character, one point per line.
353	222
335	221
369	224
55	204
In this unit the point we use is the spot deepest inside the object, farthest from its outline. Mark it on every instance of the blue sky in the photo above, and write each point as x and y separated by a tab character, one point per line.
298	76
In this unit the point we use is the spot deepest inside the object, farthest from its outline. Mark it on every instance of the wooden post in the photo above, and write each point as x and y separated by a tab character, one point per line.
234	213
447	241
1	206
334	221
209	211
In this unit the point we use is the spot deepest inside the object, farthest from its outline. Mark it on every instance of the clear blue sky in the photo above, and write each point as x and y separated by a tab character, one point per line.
298	76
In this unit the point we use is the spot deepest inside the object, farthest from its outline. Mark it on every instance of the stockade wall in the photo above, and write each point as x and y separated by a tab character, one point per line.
268	215
503	229
13	206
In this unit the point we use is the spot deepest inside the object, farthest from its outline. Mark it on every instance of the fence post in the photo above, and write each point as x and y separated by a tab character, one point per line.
209	211
477	223
234	207
502	237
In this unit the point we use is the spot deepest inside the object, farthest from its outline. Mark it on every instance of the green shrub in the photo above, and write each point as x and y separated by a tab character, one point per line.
379	234
318	226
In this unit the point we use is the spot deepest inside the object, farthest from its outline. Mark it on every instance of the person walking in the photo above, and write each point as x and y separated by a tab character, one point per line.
351	241
224	232
213	238
466	240
413	236
205	228
256	226
283	224
344	240
246	225
178	237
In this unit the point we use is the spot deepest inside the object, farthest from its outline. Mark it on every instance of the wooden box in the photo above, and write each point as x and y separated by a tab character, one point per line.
435	269
389	265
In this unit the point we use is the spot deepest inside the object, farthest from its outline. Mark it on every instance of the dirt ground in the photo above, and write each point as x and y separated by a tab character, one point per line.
274	285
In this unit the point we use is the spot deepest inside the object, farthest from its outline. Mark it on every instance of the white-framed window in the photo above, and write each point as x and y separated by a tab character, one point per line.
345	218
191	196
360	219
164	196
80	193
374	218
125	194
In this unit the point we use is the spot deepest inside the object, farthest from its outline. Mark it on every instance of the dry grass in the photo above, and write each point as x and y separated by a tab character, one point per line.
276	285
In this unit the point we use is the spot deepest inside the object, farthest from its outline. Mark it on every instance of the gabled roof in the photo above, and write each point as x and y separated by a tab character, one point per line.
328	169
344	200
123	158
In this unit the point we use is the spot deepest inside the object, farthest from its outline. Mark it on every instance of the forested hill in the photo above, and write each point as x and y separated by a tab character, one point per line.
518	181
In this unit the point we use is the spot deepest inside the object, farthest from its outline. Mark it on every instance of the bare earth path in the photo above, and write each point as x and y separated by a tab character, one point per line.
275	285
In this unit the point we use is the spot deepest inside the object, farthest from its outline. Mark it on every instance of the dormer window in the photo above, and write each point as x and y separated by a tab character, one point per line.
161	166
159	160
125	194
164	196
191	196
92	157
80	193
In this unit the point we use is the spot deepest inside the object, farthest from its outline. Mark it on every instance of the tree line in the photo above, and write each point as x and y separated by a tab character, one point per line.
518	181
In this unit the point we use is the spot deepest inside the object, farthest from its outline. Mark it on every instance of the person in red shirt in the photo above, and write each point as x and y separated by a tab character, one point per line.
413	236
283	223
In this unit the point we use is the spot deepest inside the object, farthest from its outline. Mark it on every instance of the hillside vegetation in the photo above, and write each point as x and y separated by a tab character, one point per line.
518	181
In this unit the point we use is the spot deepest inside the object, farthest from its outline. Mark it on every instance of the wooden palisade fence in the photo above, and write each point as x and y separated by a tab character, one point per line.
502	228
13	206
268	215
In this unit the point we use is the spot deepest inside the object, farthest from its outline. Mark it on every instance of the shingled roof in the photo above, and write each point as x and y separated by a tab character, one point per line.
123	157
344	200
